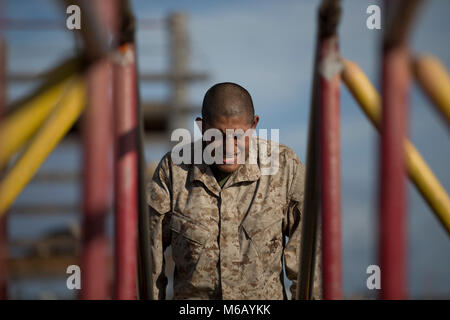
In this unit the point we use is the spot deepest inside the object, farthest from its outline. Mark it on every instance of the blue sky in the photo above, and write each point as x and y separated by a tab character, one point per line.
267	46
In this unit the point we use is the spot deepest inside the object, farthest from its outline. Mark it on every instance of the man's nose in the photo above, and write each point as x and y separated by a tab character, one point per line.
229	145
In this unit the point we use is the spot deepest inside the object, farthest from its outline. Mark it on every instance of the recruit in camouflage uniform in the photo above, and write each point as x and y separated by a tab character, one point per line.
227	243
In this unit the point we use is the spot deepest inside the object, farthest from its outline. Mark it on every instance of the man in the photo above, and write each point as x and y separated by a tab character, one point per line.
228	222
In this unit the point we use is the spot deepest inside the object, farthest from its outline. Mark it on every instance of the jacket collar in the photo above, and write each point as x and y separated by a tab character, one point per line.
203	173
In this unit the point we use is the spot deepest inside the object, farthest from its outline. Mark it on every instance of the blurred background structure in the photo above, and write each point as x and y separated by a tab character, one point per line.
182	48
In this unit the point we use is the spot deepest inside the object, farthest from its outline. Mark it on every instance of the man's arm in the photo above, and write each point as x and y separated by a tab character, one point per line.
159	201
292	229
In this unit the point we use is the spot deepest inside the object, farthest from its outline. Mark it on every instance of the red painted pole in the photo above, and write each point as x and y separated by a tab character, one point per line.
126	172
393	174
395	91
97	178
97	169
329	137
329	95
4	218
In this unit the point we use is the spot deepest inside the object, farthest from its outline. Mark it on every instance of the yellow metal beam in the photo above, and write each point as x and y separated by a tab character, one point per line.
17	128
418	170
53	130
435	81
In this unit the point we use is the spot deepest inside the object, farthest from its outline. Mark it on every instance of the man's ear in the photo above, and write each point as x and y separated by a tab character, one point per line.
255	122
199	123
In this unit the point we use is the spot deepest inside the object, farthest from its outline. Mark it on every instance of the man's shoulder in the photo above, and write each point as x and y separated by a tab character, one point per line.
166	161
286	154
174	160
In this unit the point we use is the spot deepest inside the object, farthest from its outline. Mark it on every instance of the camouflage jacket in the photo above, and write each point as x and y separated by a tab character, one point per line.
227	243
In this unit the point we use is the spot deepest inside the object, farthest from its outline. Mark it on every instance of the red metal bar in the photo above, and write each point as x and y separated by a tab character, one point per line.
322	186
126	172
97	170
4	218
329	95
393	174
97	178
392	206
309	224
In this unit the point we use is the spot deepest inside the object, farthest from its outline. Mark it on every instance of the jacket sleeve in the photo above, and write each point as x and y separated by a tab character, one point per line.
292	230
159	201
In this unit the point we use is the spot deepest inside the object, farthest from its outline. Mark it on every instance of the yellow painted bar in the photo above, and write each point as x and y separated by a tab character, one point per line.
45	140
17	128
418	171
435	81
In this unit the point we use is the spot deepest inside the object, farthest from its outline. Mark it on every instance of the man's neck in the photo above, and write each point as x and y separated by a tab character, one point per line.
221	177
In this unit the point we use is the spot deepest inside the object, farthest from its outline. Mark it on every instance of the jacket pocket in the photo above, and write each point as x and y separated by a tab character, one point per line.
264	231
188	243
189	229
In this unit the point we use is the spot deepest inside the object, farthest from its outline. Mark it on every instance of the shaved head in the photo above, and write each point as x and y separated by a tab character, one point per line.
228	100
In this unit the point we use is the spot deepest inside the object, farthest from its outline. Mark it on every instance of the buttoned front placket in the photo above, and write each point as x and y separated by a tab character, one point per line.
228	238
229	222
228	225
228	243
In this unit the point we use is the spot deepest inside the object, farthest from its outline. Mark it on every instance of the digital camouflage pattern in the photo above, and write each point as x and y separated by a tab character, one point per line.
228	243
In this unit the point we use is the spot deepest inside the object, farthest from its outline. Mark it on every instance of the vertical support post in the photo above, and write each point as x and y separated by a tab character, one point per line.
4	218
395	90
329	95
329	70
126	171
132	241
311	204
97	178
322	183
179	61
97	169
392	187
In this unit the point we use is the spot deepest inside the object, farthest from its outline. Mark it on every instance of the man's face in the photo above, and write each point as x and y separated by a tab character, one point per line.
232	145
